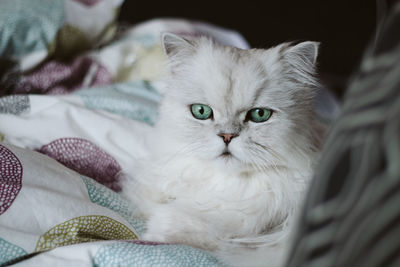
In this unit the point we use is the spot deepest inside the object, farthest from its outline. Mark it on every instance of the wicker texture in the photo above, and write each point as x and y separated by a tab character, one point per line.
352	213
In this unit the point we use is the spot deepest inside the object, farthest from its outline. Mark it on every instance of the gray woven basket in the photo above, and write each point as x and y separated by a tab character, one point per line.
352	212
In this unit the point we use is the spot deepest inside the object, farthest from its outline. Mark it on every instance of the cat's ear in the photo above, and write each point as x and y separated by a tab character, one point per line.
303	55
175	45
307	50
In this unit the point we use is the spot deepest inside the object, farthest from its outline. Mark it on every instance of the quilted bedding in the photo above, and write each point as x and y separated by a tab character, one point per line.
77	96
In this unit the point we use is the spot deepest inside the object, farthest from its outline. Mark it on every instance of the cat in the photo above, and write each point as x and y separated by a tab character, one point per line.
233	150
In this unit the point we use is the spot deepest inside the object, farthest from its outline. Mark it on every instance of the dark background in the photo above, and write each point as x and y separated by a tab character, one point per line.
343	27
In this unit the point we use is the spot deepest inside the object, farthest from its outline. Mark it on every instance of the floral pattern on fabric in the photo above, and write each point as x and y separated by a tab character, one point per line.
139	254
10	178
31	25
107	198
85	158
9	252
136	100
84	229
56	77
14	104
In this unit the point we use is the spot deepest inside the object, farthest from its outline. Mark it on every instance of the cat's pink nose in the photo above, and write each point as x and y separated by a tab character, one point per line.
227	137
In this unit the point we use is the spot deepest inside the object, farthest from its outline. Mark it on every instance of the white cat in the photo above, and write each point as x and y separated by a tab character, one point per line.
233	150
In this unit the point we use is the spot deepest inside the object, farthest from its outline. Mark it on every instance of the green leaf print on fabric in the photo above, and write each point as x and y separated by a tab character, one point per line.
84	229
9	252
105	197
136	100
70	41
132	254
31	25
15	104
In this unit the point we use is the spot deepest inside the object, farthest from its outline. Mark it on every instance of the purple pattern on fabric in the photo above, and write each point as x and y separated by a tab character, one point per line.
85	158
57	78
10	178
88	2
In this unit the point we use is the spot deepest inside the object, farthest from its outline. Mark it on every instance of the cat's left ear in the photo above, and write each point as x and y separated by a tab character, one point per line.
174	45
303	55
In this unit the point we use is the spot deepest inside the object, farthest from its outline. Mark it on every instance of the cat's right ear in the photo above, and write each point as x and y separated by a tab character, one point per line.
174	45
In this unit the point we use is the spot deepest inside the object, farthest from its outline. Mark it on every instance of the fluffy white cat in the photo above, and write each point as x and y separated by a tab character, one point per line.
233	150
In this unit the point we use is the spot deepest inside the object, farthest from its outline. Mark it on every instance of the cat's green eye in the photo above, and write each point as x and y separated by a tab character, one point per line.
201	112
259	114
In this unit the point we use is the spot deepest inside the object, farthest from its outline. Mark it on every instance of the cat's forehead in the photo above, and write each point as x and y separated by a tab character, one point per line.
231	79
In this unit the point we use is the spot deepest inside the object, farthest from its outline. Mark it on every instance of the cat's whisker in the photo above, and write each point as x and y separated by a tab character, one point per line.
260	161
187	149
271	151
164	162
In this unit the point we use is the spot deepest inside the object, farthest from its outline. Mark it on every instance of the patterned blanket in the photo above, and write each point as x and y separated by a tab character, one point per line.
77	97
51	215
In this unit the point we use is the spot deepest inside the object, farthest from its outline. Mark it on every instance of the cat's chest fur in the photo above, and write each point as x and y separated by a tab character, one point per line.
236	203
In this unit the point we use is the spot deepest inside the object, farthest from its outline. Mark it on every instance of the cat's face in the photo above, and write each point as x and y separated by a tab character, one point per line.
238	108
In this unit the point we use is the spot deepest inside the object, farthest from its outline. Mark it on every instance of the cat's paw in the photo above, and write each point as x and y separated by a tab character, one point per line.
175	227
159	229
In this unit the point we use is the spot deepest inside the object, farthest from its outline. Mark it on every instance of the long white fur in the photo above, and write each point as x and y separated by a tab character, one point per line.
240	207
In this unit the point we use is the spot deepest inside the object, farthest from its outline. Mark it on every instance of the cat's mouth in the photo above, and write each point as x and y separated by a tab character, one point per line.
226	154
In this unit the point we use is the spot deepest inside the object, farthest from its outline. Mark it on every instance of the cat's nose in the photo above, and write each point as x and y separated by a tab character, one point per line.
227	137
